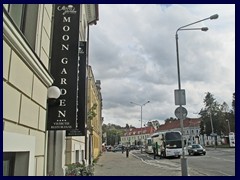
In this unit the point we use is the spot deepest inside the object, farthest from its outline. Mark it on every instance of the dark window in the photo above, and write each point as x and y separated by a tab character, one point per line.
173	136
8	163
25	17
16	12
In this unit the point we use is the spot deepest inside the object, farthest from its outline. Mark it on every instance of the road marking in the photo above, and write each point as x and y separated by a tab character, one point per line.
157	163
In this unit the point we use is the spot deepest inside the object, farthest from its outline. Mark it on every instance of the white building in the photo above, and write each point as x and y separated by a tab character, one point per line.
136	136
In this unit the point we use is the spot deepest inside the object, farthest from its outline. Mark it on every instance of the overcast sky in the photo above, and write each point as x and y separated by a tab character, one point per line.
133	53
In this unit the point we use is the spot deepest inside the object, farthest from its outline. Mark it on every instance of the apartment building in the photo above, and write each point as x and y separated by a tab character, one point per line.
137	136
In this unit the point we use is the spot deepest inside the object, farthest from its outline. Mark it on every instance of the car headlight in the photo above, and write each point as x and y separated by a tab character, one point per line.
195	150
204	150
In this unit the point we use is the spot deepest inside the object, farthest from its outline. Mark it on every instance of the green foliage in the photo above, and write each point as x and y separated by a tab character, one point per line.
233	103
114	133
219	113
77	169
91	113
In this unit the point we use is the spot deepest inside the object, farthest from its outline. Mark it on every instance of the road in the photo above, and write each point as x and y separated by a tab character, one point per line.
217	162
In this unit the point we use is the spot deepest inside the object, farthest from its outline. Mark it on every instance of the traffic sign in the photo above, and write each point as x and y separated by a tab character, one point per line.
181	112
180	97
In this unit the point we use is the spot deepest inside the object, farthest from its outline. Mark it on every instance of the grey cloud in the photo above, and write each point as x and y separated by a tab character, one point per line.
133	53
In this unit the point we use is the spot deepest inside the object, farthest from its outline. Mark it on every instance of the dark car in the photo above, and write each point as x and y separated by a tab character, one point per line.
196	149
116	149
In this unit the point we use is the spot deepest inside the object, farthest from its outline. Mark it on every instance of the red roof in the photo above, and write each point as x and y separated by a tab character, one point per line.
173	124
137	131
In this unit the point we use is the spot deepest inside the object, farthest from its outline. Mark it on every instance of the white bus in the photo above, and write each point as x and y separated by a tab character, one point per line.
231	139
167	143
148	147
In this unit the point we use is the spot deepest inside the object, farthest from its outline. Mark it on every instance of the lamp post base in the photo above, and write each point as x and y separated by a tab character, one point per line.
184	166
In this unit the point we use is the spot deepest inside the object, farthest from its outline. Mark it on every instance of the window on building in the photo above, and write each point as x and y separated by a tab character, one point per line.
77	156
15	163
8	164
25	16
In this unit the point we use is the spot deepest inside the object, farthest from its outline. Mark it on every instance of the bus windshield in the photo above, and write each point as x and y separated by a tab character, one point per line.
173	140
173	136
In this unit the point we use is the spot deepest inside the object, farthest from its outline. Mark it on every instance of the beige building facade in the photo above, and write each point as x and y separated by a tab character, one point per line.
95	125
25	83
27	35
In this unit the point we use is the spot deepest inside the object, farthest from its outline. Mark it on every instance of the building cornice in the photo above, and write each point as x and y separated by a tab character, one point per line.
92	13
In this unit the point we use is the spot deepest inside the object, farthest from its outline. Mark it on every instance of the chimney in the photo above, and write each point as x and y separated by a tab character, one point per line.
98	84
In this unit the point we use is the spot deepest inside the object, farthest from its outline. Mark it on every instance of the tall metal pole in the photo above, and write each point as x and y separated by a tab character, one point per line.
141	105
141	130
213	135
183	159
210	113
229	129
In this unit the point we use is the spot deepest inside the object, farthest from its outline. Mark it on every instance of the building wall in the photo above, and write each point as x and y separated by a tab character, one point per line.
26	79
25	83
94	97
132	139
75	148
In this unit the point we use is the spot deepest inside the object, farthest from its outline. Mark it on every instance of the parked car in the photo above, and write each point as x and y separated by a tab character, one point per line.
134	147
196	149
118	148
109	148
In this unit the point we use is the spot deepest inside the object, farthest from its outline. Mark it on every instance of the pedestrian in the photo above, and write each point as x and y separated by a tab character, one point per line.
154	152
122	149
127	152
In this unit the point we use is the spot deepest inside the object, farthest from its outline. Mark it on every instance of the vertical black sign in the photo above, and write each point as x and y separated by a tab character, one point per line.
64	66
82	92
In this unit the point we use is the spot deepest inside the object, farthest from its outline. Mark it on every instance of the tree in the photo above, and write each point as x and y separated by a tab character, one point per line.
218	113
170	119
114	133
233	103
208	113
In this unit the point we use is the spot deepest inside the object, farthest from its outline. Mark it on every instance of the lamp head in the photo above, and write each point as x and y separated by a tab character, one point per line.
215	16
204	28
53	94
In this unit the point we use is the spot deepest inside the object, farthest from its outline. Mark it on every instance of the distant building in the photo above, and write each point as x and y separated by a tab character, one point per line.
134	136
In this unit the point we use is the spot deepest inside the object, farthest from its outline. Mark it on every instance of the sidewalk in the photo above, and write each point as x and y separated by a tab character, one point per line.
117	164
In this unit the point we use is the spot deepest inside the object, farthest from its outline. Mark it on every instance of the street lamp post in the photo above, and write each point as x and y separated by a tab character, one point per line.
182	28
212	134
210	114
229	129
141	105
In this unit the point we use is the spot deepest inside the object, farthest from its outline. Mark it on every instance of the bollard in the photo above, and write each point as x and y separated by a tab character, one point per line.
127	152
